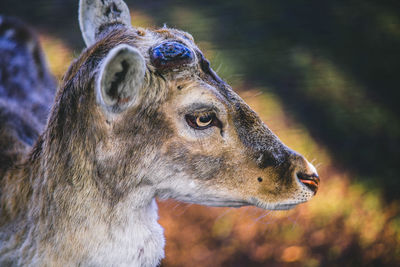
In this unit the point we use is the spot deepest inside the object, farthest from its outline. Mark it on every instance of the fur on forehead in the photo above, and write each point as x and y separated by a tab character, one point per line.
141	38
83	70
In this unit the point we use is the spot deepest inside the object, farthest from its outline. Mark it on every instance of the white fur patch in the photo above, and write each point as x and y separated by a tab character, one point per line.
140	242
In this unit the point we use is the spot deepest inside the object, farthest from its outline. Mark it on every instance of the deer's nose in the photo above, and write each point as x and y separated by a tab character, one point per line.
309	180
306	173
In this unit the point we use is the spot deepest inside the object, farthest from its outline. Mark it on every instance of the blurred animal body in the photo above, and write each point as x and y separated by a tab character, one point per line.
139	114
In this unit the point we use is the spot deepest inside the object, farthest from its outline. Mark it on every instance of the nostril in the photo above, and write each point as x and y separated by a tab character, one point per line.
309	180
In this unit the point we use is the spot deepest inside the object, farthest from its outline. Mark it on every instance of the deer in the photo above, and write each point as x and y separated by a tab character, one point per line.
140	115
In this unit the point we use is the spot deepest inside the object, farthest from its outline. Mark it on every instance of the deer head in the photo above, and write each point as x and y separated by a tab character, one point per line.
168	124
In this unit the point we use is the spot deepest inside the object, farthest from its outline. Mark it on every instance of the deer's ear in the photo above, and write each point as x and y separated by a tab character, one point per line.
120	80
93	14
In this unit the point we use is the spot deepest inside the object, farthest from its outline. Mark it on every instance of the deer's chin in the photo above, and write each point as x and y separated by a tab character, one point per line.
284	205
237	203
216	202
234	204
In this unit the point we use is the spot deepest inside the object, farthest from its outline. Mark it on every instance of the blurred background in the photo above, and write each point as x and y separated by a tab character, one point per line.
324	76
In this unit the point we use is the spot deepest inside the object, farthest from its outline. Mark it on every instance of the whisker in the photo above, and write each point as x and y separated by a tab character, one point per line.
319	165
178	204
184	209
218	68
228	210
257	94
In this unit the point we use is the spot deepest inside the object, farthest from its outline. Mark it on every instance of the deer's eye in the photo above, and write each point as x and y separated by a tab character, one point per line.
201	122
204	121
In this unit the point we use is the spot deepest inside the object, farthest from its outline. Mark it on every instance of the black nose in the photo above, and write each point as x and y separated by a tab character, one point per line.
309	180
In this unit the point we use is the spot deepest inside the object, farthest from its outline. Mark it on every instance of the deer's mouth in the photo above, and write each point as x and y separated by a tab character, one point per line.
311	181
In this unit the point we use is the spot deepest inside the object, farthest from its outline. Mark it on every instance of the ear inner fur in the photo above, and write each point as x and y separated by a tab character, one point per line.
120	78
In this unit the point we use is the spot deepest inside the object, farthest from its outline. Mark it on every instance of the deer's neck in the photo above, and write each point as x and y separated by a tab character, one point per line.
122	238
67	218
